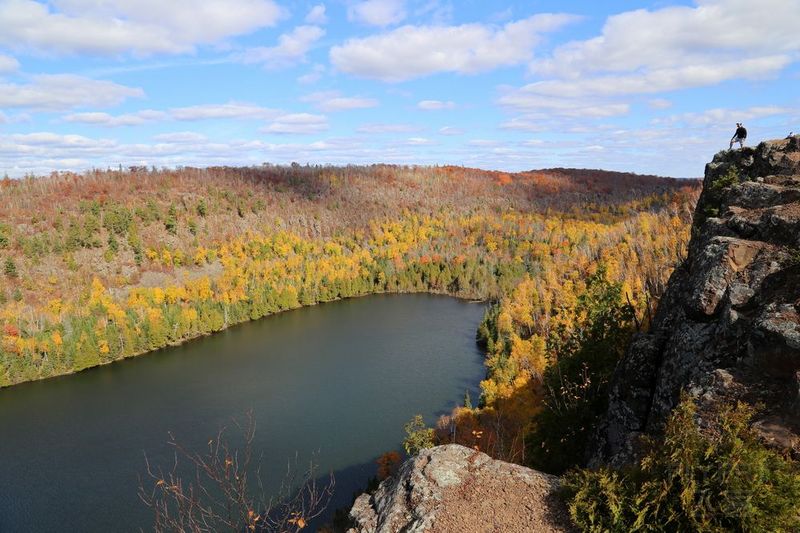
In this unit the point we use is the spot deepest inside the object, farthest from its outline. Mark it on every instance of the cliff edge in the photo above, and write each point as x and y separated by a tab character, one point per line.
453	488
728	326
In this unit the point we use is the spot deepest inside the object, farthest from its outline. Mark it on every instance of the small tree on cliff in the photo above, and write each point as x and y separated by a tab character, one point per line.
418	436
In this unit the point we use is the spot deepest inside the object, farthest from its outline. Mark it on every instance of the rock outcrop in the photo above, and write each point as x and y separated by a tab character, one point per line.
728	326
453	488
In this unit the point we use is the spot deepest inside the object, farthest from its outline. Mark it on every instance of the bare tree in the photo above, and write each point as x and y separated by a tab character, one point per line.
226	493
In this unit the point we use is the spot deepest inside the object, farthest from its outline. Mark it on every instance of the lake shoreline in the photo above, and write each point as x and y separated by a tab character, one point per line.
194	337
336	382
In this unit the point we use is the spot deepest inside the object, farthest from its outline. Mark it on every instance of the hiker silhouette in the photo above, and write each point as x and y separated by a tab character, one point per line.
739	136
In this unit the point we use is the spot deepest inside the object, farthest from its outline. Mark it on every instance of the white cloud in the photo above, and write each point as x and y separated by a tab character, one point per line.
298	123
291	49
578	119
415	51
418	141
330	101
8	64
75	143
378	12
313	76
532	143
725	118
661	80
438	12
52	92
483	143
181	137
235	110
659	103
230	110
645	52
43	152
387	128
527	100
449	130
435	105
317	15
676	47
525	124
599	96
140	27
678	36
104	119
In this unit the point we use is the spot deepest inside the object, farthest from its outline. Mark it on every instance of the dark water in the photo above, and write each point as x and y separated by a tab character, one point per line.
339	379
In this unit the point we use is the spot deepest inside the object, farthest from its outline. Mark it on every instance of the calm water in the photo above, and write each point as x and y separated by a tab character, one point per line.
339	379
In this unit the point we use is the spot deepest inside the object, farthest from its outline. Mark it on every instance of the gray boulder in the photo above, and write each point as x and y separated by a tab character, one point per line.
453	488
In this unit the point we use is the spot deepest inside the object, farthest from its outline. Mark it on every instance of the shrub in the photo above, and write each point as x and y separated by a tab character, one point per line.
117	219
10	268
693	481
171	222
4	236
726	180
388	464
418	436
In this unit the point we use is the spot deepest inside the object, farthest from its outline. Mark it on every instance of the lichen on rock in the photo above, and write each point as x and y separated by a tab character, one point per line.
452	488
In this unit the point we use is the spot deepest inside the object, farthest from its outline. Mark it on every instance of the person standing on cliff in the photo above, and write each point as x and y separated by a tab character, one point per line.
739	136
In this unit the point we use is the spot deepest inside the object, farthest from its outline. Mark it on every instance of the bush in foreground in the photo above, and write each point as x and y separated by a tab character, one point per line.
692	481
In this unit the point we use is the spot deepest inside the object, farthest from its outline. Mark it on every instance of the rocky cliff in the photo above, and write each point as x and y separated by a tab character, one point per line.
453	488
727	329
728	326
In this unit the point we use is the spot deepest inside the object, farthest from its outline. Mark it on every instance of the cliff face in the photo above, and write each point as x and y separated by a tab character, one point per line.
728	326
727	329
453	488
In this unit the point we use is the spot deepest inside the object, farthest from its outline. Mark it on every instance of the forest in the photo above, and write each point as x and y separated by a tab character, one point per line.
106	265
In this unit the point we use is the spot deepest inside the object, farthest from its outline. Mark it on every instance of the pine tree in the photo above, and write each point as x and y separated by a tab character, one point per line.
171	222
10	268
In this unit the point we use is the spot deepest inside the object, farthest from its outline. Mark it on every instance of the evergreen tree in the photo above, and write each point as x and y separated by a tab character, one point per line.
171	222
10	268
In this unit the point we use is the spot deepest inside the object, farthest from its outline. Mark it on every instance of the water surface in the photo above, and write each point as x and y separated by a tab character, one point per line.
339	379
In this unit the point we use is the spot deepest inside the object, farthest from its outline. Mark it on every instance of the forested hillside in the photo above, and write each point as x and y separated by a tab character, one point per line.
110	264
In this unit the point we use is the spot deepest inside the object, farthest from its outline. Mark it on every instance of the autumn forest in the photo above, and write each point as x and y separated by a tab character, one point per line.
107	265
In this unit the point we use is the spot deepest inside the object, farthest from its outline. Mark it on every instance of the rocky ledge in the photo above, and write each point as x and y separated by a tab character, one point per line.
453	488
728	327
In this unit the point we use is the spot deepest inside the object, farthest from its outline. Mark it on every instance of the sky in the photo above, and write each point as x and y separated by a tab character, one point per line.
647	87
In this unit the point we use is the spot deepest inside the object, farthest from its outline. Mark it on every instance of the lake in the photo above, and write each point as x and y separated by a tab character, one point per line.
336	381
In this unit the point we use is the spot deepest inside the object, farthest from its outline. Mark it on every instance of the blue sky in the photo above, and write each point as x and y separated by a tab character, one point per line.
649	87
